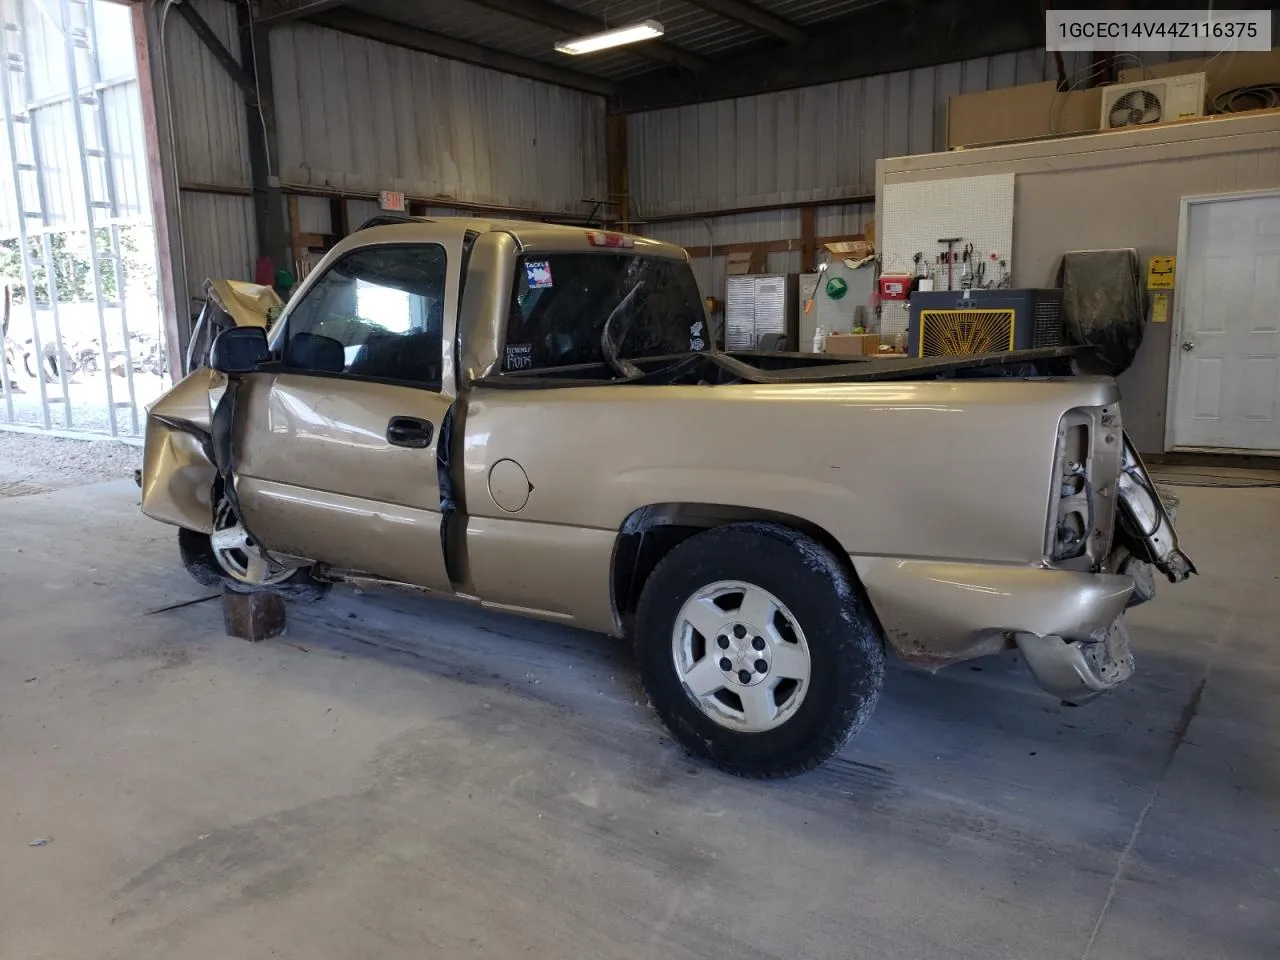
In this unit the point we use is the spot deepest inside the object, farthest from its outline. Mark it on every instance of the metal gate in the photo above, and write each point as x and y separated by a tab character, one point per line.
83	340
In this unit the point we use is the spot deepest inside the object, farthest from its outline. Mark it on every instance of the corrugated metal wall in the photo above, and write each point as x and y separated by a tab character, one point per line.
212	149
208	107
753	227
358	115
801	146
809	144
361	116
219	238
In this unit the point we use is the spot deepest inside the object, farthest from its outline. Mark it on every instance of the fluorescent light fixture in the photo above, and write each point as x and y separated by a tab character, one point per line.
632	33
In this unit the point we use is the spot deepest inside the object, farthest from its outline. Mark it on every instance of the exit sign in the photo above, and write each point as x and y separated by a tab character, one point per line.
391	200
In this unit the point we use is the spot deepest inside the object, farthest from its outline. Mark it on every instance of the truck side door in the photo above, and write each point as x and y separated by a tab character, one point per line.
337	444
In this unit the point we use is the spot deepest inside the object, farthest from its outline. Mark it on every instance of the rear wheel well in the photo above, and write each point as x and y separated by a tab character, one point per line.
651	532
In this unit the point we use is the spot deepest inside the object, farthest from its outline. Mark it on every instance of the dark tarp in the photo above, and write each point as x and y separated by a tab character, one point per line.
1103	304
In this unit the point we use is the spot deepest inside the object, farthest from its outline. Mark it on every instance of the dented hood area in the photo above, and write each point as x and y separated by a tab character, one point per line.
248	304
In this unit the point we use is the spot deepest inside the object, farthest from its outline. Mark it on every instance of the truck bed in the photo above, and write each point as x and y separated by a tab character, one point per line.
760	367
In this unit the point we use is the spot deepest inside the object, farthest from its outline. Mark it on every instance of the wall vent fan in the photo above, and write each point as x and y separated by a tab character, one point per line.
1153	101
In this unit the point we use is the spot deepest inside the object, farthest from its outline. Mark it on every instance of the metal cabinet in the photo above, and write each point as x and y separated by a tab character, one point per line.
758	305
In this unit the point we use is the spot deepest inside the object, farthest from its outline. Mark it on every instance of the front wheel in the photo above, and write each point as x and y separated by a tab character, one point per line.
230	559
756	651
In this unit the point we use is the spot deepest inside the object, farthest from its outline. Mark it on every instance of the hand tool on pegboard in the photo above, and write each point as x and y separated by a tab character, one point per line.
967	273
950	258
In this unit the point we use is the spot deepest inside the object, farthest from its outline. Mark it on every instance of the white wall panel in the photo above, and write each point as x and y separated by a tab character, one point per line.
358	115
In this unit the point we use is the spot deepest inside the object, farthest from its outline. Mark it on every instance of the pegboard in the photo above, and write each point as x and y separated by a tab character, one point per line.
915	215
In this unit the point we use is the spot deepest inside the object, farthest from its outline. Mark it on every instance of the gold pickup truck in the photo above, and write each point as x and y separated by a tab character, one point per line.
537	419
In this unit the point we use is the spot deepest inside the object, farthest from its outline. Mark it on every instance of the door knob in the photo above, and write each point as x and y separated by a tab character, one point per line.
1187	344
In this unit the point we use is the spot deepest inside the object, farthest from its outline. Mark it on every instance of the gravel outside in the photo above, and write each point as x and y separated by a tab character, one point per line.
30	463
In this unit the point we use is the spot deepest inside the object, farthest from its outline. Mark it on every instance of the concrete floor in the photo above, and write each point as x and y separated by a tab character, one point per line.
408	778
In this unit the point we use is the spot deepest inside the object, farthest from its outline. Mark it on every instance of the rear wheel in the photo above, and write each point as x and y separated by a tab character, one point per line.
756	651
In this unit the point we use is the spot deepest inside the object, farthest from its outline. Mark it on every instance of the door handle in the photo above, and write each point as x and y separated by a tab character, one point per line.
1187	344
412	432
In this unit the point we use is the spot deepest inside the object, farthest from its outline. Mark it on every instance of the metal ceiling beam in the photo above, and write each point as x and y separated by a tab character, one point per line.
425	41
220	53
269	12
572	22
755	17
936	32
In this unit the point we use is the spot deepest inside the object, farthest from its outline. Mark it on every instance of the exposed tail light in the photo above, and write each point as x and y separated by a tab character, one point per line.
1083	497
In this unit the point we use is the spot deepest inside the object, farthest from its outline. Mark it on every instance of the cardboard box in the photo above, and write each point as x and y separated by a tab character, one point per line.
850	249
741	264
1020	113
852	344
1040	110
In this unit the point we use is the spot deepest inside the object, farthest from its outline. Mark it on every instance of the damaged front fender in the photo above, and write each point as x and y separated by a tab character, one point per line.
178	471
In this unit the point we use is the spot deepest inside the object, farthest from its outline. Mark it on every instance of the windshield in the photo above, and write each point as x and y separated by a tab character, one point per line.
560	303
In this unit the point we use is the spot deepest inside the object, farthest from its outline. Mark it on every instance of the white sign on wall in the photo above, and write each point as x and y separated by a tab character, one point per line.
391	200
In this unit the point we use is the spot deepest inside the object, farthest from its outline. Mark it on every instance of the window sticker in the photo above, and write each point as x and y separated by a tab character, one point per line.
519	356
539	274
695	336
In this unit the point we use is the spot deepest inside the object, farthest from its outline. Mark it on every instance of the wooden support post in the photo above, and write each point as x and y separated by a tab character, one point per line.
252	616
808	244
765	247
339	225
616	175
296	249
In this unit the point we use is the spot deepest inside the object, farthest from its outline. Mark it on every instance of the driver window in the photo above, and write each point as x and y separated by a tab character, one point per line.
376	313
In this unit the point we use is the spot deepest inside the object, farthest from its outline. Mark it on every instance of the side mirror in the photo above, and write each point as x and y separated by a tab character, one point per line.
239	350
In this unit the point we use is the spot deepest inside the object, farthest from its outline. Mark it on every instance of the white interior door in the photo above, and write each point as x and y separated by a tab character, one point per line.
1227	346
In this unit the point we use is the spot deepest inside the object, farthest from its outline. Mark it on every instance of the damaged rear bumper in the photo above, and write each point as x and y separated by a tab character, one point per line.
1066	623
1077	671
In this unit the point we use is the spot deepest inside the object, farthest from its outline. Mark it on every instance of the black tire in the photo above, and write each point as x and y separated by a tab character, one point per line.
197	557
845	647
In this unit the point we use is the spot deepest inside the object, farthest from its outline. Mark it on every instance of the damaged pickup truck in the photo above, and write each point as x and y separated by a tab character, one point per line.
536	419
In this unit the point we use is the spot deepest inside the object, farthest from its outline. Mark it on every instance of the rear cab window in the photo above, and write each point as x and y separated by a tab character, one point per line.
561	301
